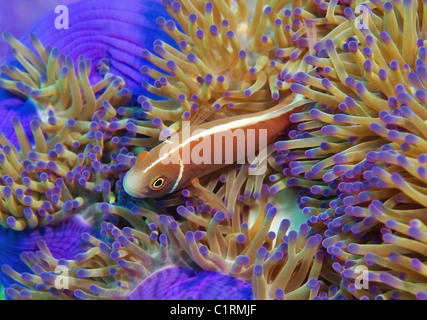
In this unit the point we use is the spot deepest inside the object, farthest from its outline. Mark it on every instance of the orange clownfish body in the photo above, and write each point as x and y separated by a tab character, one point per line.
201	150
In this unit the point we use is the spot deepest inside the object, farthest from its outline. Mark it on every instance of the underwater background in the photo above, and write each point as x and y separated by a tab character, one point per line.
340	213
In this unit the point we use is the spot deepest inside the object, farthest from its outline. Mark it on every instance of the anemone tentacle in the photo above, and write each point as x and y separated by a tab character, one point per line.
356	156
77	154
360	151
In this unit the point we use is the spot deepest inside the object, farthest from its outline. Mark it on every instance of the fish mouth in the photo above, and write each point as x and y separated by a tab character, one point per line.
128	183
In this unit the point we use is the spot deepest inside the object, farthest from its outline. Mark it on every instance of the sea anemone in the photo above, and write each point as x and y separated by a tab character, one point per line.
127	262
355	155
130	263
231	60
63	241
115	50
75	150
45	177
359	152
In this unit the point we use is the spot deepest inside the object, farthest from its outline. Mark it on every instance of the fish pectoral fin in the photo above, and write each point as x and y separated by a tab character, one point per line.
211	198
142	156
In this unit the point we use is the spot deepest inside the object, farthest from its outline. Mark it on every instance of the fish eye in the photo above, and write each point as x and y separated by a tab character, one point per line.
158	183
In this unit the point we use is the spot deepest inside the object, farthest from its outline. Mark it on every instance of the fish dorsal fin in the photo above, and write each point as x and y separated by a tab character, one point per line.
142	156
201	116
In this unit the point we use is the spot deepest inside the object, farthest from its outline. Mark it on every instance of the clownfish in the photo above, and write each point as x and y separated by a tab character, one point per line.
153	177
